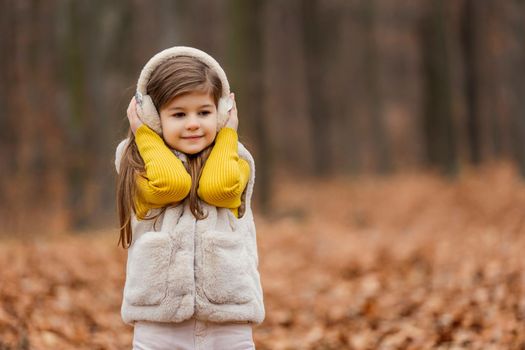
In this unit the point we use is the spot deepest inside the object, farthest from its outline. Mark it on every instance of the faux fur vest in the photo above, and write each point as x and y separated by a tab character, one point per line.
182	267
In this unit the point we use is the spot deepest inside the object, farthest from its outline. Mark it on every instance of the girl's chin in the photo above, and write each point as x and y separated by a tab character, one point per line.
190	150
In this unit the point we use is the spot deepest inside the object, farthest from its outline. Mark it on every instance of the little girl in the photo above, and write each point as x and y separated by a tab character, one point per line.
183	197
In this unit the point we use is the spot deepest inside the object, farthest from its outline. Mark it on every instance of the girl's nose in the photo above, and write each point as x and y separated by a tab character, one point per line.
192	123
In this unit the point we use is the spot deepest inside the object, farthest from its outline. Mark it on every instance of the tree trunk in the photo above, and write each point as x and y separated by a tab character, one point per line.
315	40
246	50
438	125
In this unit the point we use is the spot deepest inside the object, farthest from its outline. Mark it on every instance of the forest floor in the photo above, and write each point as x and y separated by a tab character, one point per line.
411	261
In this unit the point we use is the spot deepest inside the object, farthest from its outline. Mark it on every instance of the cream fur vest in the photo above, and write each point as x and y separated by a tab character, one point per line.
184	267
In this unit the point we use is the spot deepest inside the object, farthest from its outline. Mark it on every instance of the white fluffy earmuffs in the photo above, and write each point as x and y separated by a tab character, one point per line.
146	110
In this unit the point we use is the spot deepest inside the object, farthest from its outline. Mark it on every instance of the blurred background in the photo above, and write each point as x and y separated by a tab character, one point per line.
389	138
324	88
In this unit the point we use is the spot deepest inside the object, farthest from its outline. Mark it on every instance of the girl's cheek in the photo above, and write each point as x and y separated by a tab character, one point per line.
213	139
176	123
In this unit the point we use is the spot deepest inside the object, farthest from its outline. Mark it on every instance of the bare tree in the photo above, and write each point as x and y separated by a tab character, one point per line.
438	125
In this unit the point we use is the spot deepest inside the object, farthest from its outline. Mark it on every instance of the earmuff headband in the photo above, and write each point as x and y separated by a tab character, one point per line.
146	109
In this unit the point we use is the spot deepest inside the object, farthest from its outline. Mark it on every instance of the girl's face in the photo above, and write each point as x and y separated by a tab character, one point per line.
189	122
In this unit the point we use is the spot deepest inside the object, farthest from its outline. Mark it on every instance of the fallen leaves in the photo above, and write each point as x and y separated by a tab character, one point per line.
61	293
405	262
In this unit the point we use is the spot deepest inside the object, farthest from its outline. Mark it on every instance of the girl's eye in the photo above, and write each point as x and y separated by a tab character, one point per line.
205	112
179	115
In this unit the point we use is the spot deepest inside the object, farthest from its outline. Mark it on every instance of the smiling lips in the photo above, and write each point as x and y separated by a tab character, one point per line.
192	137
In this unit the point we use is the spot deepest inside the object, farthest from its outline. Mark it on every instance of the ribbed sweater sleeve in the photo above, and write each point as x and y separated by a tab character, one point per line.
165	180
225	174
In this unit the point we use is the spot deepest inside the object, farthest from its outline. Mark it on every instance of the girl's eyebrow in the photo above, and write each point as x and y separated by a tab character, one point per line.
203	106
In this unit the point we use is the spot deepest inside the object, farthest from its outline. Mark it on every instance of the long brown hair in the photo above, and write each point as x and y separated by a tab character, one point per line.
174	77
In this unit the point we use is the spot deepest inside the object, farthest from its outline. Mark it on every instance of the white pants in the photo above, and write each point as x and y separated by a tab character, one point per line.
192	334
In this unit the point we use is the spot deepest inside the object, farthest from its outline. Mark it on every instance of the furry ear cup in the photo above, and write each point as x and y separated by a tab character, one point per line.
225	104
148	114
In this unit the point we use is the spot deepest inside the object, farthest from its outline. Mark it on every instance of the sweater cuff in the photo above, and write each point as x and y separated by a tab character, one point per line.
227	138
144	132
148	140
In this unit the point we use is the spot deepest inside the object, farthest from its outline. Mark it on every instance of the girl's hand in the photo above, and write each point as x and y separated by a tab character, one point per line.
133	117
233	121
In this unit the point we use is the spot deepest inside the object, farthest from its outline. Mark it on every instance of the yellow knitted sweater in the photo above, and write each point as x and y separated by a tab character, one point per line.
166	181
